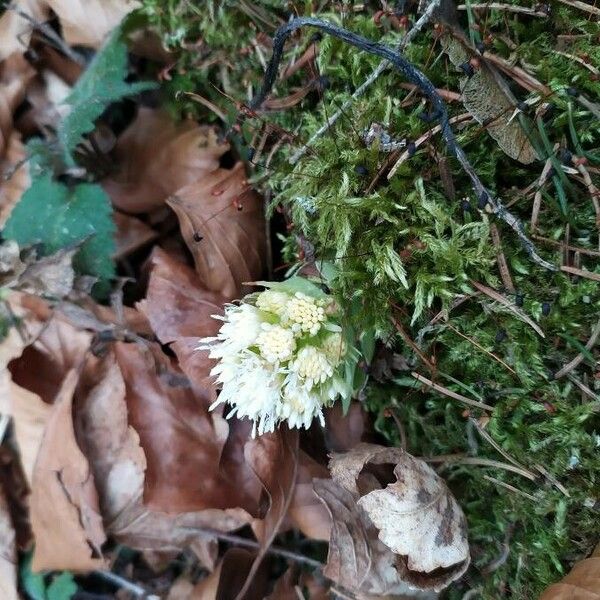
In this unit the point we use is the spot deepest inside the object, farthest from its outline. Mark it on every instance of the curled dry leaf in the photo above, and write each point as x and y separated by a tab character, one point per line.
65	515
222	223
156	157
487	97
581	583
88	22
412	527
8	553
174	284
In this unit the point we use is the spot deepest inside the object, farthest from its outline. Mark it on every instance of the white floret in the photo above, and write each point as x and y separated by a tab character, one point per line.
304	314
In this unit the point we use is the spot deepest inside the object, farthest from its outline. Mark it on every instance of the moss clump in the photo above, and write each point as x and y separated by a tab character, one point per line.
412	247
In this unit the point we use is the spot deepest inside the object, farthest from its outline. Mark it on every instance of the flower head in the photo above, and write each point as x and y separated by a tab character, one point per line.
304	314
280	358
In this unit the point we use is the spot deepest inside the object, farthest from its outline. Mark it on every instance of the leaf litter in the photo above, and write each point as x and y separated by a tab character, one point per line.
108	396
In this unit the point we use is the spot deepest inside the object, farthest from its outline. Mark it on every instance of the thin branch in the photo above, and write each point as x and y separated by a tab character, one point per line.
238	540
585	6
506	7
123	583
479	462
512	488
446	392
418	78
361	89
579	358
50	34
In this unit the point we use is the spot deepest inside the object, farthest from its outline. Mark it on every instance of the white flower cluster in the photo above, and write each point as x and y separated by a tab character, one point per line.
281	357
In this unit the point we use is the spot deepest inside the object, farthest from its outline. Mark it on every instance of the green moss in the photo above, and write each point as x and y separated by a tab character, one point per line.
405	249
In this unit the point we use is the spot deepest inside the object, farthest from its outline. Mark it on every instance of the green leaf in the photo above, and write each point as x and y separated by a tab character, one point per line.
33	583
57	216
101	84
62	587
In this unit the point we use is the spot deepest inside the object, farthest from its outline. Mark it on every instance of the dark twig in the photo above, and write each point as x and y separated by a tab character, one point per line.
50	34
416	77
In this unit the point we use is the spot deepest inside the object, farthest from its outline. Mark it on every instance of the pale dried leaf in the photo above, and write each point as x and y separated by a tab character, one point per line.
88	22
228	216
64	504
486	96
8	553
421	530
156	157
50	275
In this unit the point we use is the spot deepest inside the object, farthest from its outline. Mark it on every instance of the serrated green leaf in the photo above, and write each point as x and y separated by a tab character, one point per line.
101	84
57	216
33	583
63	587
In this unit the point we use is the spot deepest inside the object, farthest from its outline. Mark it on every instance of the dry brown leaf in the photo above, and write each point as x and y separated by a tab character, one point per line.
131	234
88	22
8	553
581	583
156	157
182	441
222	223
118	463
15	74
16	30
188	318
65	514
14	175
306	511
274	459
408	533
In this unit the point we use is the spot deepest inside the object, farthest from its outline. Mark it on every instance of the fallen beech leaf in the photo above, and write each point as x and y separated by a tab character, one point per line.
15	30
131	234
229	216
306	511
118	463
293	585
274	459
581	583
88	22
157	157
182	441
413	527
188	318
64	505
8	553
